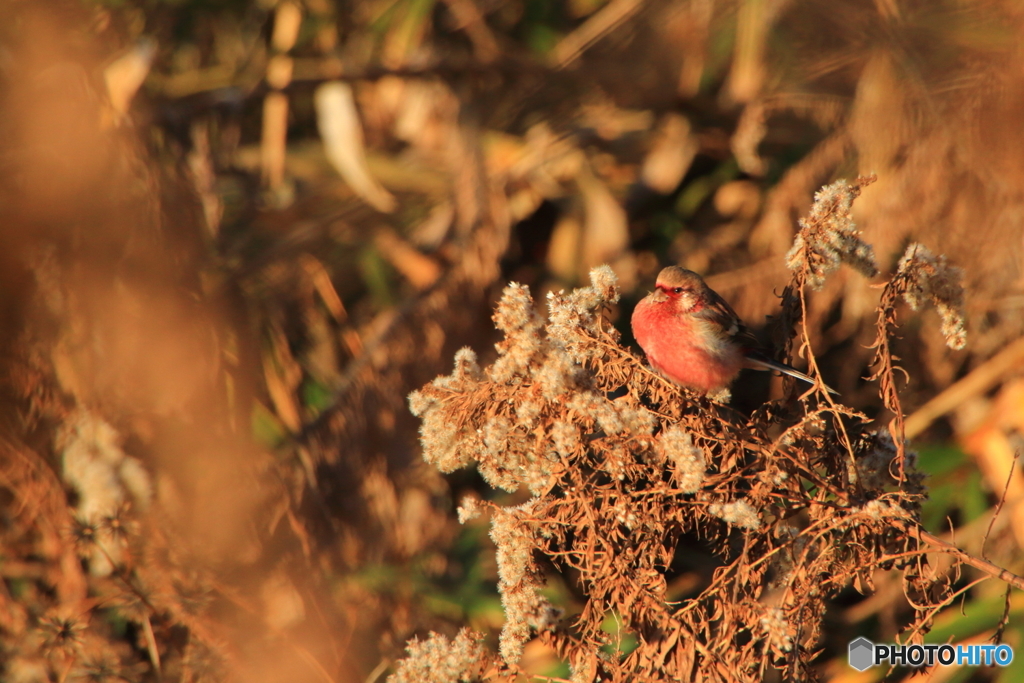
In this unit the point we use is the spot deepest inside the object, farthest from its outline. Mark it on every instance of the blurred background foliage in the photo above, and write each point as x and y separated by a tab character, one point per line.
237	233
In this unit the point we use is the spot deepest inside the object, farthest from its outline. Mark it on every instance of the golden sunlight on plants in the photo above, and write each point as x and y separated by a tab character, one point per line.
796	501
239	240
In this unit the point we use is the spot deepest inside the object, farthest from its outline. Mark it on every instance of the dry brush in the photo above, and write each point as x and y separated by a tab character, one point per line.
625	471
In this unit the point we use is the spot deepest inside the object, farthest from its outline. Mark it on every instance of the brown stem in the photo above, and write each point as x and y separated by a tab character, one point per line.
985	566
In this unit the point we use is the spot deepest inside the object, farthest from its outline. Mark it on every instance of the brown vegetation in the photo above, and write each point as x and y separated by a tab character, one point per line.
793	503
234	236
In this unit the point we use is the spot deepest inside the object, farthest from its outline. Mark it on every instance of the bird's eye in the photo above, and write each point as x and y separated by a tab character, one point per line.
677	290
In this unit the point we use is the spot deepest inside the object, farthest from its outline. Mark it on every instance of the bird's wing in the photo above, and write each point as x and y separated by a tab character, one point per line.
726	323
722	317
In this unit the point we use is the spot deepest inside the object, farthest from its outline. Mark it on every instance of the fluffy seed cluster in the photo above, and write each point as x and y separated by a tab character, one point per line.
738	513
518	579
543	364
438	660
469	509
688	462
613	417
565	436
105	478
930	278
521	325
537	405
441	436
881	509
777	628
571	316
828	236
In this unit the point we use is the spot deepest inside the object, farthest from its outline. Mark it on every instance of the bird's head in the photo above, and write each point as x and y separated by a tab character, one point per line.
680	288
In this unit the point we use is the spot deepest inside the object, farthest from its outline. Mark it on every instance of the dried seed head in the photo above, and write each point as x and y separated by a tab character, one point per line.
565	437
514	540
440	442
738	513
62	634
99	668
882	509
615	482
828	236
105	477
466	368
527	413
777	629
878	464
574	317
516	317
517	578
420	403
687	460
469	509
605	283
930	278
437	659
556	375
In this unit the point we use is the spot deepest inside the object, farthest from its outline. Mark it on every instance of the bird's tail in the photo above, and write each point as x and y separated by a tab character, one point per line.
763	363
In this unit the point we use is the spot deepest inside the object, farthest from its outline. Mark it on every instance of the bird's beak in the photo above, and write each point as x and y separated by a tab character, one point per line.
657	296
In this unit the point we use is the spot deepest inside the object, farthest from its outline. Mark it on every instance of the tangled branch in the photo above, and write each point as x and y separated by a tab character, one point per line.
627	473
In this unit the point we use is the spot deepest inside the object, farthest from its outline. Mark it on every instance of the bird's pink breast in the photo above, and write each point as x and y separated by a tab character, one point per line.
681	349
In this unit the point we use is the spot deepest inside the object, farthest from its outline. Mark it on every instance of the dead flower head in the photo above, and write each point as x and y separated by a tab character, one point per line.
62	634
930	278
438	659
828	236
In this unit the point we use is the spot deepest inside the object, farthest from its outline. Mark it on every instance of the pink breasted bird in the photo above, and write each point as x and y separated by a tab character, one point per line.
693	337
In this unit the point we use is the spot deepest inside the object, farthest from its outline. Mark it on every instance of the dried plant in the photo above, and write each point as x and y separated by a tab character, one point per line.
156	301
828	236
624	469
924	276
436	660
920	275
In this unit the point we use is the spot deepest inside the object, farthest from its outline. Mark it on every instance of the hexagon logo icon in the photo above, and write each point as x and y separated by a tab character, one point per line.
861	654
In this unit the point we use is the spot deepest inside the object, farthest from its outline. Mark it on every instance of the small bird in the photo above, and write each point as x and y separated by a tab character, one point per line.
694	338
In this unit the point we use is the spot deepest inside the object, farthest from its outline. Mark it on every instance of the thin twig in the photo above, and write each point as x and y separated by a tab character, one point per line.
999	505
978	563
